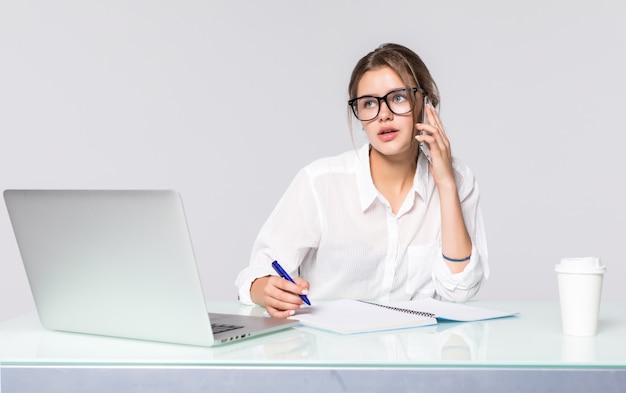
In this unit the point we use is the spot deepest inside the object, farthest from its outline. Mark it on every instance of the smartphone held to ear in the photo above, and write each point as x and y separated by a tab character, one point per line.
424	146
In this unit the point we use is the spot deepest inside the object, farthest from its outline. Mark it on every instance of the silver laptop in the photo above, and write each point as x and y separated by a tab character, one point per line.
119	263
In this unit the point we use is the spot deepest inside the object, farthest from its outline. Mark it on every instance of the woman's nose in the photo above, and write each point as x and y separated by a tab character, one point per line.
385	113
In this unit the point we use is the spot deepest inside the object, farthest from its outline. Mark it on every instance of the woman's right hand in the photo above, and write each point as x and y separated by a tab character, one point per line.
280	297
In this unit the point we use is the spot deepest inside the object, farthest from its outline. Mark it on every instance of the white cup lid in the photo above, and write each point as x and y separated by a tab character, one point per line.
585	265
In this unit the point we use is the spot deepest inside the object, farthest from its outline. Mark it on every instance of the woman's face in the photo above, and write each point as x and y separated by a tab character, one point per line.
388	133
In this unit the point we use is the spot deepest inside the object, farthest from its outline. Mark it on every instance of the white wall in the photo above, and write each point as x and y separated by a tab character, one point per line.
225	100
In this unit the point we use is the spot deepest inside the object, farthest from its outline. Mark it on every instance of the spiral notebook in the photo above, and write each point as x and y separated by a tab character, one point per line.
348	316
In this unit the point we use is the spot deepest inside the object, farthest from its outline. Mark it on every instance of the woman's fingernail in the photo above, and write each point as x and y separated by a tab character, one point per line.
305	291
291	312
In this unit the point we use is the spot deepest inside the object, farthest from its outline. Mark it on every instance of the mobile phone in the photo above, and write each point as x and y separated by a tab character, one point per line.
424	146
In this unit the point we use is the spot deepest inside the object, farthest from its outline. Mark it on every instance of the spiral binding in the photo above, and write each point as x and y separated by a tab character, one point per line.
404	310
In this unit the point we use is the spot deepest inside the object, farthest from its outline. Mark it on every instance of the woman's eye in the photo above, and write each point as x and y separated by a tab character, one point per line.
400	97
368	104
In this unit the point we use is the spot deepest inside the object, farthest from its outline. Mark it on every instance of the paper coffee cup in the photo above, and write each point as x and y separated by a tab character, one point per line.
580	288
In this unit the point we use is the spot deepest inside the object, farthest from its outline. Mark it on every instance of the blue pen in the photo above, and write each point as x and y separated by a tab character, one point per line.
281	272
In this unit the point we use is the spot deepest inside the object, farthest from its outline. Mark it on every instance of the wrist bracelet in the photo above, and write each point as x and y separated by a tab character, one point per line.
456	260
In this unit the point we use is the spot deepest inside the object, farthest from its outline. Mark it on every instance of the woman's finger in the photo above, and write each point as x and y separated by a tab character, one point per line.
276	313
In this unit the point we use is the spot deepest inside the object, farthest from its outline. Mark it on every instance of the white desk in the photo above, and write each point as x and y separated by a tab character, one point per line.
525	354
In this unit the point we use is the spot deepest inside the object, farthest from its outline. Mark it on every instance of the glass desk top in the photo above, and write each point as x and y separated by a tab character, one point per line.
533	339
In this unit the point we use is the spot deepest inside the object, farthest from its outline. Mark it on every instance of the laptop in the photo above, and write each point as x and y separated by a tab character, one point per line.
119	263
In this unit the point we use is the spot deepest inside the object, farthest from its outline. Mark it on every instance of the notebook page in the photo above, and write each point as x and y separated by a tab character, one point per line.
461	312
352	316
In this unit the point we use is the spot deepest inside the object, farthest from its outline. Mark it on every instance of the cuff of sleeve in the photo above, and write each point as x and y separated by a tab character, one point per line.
244	293
244	282
459	286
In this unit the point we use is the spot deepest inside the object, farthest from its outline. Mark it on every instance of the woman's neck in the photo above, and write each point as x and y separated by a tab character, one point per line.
393	175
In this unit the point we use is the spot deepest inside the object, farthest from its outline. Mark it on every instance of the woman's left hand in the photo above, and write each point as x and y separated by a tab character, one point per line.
432	133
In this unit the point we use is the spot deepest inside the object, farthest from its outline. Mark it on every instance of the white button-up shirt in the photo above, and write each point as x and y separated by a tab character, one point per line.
333	228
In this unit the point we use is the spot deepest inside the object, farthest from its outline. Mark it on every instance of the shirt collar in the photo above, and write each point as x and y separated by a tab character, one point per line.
422	179
368	192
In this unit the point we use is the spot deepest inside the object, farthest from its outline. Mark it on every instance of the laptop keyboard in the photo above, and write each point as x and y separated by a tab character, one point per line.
221	328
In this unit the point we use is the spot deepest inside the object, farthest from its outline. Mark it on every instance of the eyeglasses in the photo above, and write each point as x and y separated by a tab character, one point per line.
366	108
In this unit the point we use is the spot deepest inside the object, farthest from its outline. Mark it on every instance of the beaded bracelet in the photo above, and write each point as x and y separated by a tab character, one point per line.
456	260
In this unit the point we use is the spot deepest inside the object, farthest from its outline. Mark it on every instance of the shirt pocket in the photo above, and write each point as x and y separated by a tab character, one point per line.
420	269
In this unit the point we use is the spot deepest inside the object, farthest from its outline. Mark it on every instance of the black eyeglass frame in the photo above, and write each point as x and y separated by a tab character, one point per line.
383	98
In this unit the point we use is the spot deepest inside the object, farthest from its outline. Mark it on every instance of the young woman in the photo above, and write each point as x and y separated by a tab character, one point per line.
384	222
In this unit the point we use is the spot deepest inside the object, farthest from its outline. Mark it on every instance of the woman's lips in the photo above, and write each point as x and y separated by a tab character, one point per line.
386	135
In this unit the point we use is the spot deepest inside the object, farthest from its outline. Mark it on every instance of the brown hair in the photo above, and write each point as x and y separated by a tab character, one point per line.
403	61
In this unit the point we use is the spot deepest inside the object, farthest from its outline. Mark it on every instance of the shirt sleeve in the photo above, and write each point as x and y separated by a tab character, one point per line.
460	287
289	235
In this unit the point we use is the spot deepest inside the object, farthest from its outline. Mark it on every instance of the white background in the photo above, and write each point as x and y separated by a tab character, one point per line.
225	101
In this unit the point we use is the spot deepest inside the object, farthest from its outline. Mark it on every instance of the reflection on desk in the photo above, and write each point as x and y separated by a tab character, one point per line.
22	340
534	339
